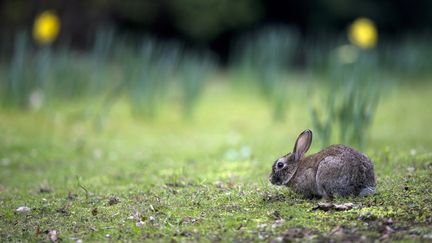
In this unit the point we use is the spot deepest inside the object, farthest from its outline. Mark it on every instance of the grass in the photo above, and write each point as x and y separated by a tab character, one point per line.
168	179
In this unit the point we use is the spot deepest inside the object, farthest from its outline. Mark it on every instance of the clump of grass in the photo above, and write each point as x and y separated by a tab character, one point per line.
194	71
147	75
101	53
351	99
41	75
28	75
44	75
265	58
16	87
70	77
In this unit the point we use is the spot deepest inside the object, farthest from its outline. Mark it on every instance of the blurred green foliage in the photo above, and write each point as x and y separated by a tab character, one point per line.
194	69
265	57
143	71
351	95
147	75
150	72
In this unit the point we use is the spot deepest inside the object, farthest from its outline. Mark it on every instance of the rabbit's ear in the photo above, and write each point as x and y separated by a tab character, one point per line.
302	144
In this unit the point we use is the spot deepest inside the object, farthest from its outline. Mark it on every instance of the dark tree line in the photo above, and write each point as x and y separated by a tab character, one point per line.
211	22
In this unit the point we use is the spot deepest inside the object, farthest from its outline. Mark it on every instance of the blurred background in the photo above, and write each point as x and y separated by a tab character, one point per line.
211	24
335	66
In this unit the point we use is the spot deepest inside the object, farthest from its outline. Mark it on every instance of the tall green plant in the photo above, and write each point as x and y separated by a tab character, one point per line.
41	75
16	86
147	76
265	58
352	96
101	54
194	71
71	76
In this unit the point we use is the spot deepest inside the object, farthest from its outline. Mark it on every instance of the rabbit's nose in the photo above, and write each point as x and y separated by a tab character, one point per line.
275	181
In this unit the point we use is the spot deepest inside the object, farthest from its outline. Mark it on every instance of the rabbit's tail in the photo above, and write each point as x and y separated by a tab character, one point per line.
367	191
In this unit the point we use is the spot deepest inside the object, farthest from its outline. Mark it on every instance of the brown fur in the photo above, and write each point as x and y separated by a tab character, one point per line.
335	170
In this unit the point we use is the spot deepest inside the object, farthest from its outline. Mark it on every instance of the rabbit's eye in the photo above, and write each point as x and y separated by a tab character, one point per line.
280	165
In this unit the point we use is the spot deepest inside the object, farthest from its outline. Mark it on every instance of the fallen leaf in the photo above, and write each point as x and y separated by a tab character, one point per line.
113	200
23	209
329	206
323	206
53	235
65	209
187	220
343	207
45	189
177	184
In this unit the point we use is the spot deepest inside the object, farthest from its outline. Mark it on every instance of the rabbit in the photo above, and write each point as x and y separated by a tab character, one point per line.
337	170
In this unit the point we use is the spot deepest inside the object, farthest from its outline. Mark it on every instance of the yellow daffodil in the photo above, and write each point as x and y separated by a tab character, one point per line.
363	33
46	27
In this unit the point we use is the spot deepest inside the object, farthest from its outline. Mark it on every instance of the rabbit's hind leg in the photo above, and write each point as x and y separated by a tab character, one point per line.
333	178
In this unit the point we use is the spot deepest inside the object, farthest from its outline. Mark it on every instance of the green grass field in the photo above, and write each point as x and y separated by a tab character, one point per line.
204	179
